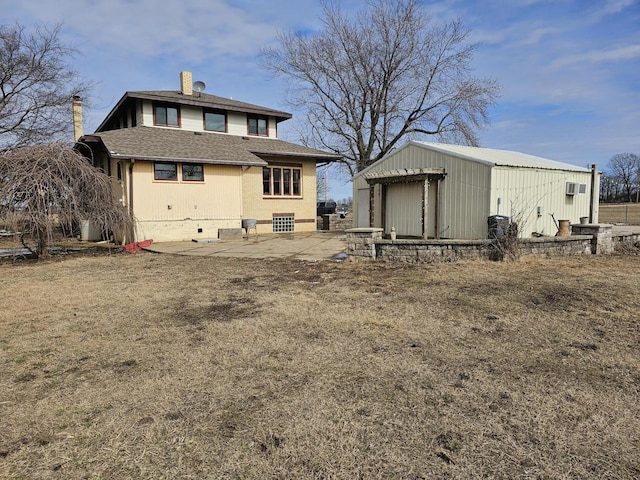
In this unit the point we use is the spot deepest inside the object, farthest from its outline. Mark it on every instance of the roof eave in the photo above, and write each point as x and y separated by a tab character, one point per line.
319	158
112	112
152	158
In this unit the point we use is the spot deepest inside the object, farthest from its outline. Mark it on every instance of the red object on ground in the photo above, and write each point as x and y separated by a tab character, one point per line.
137	246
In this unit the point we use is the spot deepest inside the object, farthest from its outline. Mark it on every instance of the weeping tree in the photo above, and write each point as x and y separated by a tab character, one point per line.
387	74
45	187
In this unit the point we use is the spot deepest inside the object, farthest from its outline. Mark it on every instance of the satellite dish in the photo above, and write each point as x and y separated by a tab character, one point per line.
199	86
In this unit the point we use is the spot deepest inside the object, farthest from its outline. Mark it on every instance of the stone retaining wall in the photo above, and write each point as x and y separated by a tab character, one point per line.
334	222
366	244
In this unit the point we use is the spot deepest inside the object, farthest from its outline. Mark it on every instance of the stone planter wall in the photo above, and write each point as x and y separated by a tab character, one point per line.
367	244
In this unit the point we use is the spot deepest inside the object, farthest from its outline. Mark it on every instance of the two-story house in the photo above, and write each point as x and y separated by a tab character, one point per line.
188	164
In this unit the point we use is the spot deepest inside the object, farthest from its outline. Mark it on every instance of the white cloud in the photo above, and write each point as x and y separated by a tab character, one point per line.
610	7
613	54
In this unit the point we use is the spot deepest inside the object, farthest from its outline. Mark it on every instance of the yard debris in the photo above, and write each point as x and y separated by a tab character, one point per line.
136	246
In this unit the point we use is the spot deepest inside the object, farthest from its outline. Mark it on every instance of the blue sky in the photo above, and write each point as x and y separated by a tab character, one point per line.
570	69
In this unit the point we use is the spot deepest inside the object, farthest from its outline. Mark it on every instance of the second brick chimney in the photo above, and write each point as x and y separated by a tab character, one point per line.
186	83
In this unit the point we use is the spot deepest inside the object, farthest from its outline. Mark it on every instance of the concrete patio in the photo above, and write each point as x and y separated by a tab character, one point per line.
300	246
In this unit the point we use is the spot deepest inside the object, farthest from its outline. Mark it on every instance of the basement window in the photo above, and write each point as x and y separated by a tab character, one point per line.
283	224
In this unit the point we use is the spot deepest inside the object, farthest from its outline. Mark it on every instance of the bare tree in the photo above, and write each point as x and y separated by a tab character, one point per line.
625	168
36	86
389	73
46	186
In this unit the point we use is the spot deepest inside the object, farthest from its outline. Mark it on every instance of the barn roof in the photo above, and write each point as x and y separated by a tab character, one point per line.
495	157
488	156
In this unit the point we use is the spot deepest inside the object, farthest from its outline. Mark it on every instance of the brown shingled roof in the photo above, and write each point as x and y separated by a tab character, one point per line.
150	143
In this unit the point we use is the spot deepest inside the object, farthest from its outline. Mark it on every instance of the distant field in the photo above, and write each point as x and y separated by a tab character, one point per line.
150	366
628	213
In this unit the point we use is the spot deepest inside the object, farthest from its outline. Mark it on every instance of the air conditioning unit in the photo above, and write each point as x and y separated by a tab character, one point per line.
572	188
582	189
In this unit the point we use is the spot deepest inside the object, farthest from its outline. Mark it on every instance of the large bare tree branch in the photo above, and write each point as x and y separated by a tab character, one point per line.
387	74
36	86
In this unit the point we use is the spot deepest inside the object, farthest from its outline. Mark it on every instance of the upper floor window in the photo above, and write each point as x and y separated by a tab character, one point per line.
166	115
258	126
215	121
283	181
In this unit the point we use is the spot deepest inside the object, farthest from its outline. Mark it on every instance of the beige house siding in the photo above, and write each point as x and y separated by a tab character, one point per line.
191	118
237	123
177	210
263	208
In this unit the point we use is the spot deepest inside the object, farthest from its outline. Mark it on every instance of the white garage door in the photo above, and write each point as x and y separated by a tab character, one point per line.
404	208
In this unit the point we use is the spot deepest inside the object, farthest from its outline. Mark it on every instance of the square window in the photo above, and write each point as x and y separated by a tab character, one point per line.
215	121
258	126
166	115
165	171
192	172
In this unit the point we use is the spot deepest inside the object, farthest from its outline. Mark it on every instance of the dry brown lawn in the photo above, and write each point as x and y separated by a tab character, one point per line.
628	213
165	367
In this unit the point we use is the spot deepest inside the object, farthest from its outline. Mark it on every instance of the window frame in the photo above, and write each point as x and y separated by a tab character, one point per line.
160	179
257	118
215	112
157	105
201	165
274	182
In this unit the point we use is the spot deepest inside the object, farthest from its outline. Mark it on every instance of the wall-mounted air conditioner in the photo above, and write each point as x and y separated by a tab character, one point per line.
572	188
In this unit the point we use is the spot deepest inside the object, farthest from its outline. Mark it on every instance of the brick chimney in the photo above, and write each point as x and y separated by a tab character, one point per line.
77	117
186	83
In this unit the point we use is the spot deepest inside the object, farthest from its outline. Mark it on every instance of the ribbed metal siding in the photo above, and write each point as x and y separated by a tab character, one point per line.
404	208
465	194
523	190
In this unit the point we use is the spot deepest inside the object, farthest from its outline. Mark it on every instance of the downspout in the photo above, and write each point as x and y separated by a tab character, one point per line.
438	201
425	207
132	234
594	173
